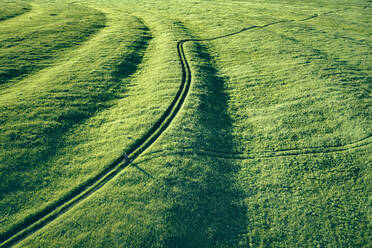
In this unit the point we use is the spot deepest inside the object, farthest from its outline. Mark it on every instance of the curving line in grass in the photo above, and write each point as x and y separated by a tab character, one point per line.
43	218
260	154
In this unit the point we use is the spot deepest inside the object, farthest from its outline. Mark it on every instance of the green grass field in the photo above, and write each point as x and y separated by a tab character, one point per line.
9	9
269	147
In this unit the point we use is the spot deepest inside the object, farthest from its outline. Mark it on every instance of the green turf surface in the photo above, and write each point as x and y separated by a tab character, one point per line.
9	9
32	42
40	112
271	148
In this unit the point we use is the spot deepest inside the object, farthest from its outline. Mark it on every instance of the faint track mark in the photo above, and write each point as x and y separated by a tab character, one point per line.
263	154
43	218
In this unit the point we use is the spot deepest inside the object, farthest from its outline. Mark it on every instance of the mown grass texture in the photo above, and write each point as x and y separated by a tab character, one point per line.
295	85
40	38
9	9
61	101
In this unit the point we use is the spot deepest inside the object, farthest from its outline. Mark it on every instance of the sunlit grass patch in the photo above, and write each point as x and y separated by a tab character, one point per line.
42	37
271	147
9	9
38	112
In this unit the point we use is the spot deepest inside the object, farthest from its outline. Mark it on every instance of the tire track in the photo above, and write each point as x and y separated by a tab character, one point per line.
41	219
36	222
261	154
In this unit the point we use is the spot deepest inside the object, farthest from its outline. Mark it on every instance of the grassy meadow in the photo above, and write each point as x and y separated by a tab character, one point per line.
9	9
271	147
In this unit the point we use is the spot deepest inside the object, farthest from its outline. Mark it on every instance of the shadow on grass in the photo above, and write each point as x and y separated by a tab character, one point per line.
205	208
9	10
72	111
25	156
28	51
145	172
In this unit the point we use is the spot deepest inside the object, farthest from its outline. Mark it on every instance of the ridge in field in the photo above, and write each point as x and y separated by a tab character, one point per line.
10	9
61	104
41	39
270	148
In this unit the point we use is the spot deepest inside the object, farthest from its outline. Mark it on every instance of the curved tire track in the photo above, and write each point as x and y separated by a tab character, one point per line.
261	154
36	222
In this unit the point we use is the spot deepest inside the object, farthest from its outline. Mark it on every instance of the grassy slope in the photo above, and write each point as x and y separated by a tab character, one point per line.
9	9
53	103
46	32
31	121
303	85
307	85
196	199
275	88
